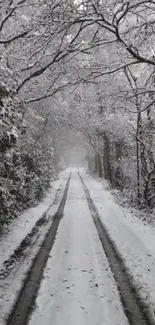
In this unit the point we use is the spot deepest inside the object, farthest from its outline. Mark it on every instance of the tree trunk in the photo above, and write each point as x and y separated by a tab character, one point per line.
137	155
96	164
99	166
107	160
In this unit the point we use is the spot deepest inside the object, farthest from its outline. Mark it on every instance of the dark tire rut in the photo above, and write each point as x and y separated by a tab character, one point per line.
26	298
134	307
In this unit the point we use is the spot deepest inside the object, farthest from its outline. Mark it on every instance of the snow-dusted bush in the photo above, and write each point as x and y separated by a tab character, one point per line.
24	174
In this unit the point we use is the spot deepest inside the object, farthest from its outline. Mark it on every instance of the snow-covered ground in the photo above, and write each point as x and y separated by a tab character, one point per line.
21	226
16	232
78	286
134	239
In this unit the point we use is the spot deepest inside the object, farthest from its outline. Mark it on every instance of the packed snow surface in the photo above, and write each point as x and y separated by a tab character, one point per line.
134	239
17	231
21	226
78	287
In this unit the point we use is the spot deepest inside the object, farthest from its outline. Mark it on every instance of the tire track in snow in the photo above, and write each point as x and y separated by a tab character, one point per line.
19	252
134	308
26	298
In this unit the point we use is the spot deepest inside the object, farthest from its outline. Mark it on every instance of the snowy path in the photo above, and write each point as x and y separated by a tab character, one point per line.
18	230
78	287
72	267
134	240
21	226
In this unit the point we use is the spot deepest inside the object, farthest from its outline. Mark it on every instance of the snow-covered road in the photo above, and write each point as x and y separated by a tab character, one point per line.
78	287
134	240
94	235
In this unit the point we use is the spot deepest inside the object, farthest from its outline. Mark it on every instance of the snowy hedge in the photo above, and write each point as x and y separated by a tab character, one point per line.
25	171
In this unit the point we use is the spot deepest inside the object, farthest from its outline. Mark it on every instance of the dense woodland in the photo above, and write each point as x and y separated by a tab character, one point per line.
76	74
